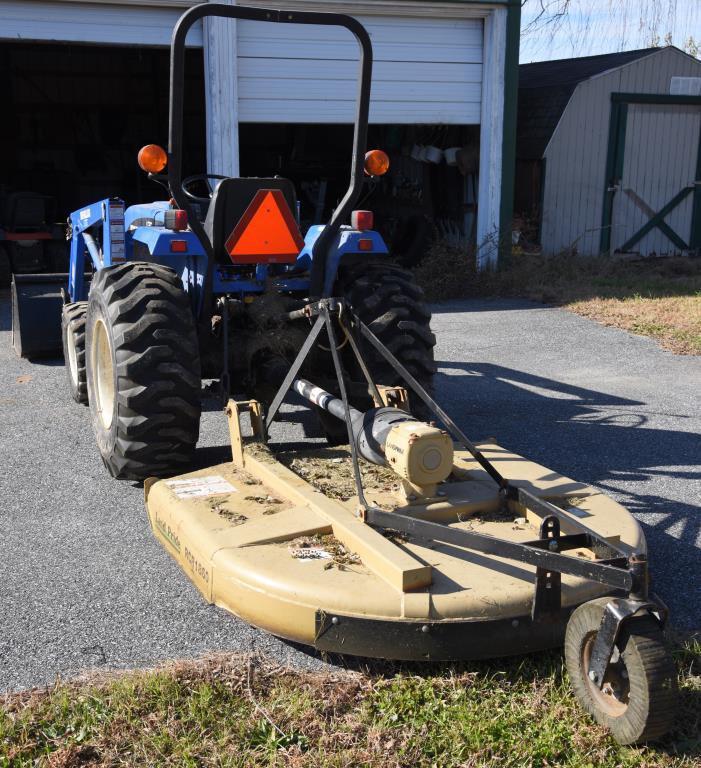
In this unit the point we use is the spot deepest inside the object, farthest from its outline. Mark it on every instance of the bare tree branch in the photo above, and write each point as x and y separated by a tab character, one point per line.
625	23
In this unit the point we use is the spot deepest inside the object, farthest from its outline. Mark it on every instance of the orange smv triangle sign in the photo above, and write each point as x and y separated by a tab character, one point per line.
267	232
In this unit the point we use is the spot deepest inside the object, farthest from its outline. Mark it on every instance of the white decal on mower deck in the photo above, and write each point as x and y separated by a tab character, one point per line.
201	486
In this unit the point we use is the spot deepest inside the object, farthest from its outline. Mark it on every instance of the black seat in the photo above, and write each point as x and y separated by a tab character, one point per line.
26	211
229	202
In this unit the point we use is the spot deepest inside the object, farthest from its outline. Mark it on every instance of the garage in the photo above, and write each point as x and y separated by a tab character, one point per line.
87	85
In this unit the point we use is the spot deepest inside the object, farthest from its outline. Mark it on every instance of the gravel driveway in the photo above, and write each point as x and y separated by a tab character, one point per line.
84	583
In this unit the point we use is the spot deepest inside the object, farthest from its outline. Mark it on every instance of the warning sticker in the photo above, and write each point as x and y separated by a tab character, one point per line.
201	486
310	553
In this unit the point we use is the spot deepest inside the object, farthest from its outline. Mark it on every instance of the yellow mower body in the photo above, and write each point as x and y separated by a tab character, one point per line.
260	541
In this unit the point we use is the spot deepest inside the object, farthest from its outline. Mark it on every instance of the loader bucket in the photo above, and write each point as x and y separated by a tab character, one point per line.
37	301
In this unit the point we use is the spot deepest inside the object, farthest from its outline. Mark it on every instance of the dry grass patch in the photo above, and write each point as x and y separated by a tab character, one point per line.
660	298
675	321
330	471
246	712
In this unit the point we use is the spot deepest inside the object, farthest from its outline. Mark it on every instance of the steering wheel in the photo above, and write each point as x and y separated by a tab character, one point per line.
203	178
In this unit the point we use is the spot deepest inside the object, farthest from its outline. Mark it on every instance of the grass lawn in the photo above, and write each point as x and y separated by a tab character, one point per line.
244	712
653	297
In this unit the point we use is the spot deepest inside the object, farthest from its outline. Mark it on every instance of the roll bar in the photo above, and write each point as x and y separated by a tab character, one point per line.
175	137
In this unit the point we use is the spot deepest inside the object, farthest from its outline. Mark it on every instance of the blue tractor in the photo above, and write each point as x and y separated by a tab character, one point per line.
216	286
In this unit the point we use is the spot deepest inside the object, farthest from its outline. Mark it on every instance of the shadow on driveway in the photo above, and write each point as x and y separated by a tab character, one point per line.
582	434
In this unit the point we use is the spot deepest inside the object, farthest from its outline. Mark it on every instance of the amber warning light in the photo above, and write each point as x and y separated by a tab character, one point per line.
376	163
152	158
267	233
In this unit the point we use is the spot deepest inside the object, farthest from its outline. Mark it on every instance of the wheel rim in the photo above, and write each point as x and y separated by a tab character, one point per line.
103	373
72	354
614	695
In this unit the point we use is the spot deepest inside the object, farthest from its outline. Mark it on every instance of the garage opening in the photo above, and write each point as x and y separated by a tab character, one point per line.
430	191
77	115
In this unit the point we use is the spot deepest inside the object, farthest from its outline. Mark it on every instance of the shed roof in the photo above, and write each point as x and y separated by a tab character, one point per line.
545	88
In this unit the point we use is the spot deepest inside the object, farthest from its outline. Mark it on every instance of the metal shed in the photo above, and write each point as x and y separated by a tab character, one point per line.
618	138
437	63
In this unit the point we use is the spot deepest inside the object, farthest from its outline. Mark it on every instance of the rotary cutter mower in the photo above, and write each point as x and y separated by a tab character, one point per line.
442	549
473	553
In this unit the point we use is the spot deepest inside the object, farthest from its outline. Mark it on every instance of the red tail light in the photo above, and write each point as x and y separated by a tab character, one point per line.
362	220
178	246
175	219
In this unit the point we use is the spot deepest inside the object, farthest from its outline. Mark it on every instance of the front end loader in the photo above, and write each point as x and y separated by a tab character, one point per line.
411	542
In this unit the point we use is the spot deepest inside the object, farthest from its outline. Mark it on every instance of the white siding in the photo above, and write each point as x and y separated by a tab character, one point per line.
425	71
575	158
91	23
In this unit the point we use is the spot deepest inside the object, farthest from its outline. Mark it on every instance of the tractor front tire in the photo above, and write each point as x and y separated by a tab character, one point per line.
73	335
143	370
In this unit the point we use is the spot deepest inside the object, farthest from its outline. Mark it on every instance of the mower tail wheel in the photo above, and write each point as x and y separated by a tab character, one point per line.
637	701
73	335
143	370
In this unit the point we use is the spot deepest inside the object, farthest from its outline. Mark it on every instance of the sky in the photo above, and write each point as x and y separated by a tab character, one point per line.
605	26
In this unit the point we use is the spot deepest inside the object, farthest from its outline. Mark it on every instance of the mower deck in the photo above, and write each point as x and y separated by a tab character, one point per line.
259	540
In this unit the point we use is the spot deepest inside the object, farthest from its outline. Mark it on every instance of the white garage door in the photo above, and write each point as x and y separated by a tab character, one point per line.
91	23
426	70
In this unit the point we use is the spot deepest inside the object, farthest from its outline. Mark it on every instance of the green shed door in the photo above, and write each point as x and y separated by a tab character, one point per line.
655	195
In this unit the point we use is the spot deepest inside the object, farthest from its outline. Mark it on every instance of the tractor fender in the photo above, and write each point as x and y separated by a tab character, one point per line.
345	244
144	212
188	261
158	240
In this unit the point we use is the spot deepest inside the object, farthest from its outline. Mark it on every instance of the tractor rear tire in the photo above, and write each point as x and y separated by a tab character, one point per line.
73	335
386	298
143	370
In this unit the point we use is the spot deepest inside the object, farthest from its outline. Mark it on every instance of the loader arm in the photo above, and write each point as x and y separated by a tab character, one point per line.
37	300
97	229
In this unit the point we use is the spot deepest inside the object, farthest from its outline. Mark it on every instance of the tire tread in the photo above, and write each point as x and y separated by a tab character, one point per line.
651	709
157	366
385	297
73	321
